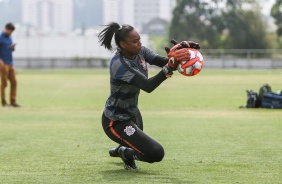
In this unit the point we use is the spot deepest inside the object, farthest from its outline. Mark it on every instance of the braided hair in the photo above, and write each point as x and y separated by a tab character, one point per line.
120	32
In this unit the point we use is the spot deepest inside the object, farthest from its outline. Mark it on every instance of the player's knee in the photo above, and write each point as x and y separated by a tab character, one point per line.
157	153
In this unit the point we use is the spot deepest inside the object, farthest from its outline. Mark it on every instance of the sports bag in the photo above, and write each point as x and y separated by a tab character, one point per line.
272	100
265	88
265	98
252	100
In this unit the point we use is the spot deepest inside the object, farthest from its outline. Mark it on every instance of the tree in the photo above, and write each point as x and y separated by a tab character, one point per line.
276	13
244	30
191	19
217	26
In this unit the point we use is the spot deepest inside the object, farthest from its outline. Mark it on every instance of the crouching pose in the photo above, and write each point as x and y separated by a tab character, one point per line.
121	119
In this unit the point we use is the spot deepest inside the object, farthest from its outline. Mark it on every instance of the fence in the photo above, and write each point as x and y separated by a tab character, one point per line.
235	58
242	58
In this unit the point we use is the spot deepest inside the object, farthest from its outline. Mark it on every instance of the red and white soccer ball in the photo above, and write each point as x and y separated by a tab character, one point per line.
193	66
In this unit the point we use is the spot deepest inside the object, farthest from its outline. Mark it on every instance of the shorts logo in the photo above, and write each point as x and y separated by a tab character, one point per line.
129	130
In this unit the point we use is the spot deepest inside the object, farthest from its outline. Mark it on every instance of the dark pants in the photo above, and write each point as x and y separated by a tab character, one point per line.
8	72
128	134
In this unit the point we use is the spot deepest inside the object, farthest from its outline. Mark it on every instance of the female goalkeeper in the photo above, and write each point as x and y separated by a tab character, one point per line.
121	119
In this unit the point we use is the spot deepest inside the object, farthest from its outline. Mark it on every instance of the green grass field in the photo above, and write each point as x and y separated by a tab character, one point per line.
57	136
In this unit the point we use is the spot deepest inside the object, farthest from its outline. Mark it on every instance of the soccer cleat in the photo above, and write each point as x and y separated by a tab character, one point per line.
129	164
15	105
6	105
114	152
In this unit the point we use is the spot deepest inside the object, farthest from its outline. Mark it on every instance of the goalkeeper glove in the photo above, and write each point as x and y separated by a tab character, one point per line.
177	53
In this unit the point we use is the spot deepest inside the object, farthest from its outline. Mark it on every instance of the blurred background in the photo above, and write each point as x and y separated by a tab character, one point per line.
63	33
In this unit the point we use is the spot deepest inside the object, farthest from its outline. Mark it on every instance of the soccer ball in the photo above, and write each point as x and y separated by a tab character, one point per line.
193	66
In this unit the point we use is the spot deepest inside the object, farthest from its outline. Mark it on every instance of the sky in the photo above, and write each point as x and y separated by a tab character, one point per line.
267	4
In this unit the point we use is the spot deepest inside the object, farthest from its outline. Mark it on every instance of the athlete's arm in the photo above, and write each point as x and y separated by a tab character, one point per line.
159	61
150	84
1	62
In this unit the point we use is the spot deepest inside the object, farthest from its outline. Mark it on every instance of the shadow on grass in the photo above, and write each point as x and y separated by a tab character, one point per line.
143	175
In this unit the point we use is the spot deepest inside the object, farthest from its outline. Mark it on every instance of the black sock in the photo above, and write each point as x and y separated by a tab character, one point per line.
129	153
117	148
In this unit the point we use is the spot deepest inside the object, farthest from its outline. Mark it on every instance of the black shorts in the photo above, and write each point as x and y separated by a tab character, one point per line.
128	134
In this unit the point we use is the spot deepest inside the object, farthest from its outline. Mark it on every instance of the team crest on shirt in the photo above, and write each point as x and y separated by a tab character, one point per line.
143	64
129	130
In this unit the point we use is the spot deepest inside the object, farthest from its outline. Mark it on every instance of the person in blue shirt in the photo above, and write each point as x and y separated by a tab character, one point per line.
7	69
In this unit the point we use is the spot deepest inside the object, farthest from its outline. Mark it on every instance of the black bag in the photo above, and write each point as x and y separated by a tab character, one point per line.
265	98
265	88
252	99
272	100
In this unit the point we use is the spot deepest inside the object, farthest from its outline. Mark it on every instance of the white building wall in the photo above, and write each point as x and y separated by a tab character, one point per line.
112	9
29	12
166	8
145	10
63	47
127	12
137	12
48	16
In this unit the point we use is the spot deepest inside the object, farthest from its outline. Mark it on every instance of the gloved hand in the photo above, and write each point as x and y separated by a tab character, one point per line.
187	44
177	53
194	45
184	44
177	46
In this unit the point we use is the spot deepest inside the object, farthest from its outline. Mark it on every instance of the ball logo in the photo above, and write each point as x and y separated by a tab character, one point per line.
129	130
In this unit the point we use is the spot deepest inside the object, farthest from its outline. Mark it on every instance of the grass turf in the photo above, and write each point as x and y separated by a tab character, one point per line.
57	136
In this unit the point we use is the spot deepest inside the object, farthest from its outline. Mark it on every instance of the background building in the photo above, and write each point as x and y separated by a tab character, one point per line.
137	13
147	10
48	16
121	11
87	13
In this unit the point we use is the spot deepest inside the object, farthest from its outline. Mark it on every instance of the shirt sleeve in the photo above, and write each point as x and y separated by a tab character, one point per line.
159	61
153	58
148	54
148	85
0	46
